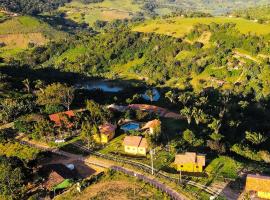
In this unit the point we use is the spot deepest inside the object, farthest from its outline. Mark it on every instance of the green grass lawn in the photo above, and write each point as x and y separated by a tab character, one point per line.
114	146
224	166
178	26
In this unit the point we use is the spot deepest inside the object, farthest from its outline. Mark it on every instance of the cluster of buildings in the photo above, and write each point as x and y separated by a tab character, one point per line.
257	186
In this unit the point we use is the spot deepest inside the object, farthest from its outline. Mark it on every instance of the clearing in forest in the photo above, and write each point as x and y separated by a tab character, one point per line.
107	10
179	26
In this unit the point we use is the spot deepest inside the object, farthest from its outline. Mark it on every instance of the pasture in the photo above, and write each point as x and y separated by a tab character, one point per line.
107	10
18	32
179	26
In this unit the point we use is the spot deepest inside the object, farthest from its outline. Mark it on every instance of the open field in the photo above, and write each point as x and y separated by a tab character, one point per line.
107	10
178	26
110	186
17	32
22	40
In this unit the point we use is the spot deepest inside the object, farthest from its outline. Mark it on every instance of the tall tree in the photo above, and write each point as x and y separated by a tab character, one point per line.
150	94
215	126
26	84
184	98
171	96
255	138
11	180
86	132
56	93
187	113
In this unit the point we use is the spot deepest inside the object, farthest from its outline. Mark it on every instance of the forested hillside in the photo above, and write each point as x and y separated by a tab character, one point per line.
152	7
31	7
261	14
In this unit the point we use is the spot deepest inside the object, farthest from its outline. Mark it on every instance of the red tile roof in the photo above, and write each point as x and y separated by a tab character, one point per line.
152	124
58	118
53	180
155	109
135	141
107	128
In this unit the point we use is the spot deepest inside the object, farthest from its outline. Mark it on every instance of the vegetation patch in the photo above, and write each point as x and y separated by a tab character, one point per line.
224	166
23	152
106	10
179	26
114	184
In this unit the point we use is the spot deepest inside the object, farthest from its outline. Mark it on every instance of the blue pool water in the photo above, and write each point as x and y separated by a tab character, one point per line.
130	126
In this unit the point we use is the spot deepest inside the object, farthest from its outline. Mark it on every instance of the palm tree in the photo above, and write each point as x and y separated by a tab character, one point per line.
184	98
170	95
255	138
26	83
187	113
39	85
215	126
198	115
150	94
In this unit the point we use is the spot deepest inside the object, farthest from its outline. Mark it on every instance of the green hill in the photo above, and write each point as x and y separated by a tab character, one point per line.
107	10
20	33
179	26
261	13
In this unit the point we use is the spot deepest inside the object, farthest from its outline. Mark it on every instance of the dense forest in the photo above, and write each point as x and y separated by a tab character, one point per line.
31	7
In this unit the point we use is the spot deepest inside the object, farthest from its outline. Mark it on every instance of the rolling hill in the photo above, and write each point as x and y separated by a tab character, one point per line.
22	32
179	26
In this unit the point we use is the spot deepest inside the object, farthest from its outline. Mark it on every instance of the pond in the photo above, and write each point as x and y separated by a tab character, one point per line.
156	95
131	126
105	86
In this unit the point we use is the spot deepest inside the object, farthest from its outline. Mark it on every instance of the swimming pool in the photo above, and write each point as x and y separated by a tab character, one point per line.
131	126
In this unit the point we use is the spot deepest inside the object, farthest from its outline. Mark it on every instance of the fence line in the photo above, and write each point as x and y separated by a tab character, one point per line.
148	169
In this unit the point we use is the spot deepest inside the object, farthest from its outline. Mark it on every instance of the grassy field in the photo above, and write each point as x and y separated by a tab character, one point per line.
224	166
17	32
112	185
178	26
107	10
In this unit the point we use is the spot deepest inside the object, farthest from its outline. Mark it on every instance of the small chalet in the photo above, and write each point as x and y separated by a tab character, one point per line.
152	126
258	185
62	118
135	145
107	132
189	162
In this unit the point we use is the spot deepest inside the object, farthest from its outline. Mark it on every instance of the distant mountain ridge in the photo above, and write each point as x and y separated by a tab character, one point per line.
215	7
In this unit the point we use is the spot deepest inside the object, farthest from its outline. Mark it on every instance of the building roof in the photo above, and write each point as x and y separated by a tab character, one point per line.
190	157
107	128
53	179
56	174
152	124
57	118
258	183
135	141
